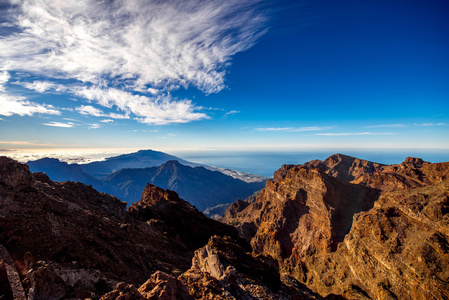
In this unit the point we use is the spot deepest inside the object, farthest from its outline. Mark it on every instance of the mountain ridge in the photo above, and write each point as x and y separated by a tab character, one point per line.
67	240
134	179
392	242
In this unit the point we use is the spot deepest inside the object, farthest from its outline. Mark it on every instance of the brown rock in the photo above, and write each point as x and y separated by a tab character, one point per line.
5	287
14	175
165	287
123	291
160	286
327	234
182	220
223	269
88	239
344	167
45	284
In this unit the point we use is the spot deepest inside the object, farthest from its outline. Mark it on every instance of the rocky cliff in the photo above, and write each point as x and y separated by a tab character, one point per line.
68	241
353	228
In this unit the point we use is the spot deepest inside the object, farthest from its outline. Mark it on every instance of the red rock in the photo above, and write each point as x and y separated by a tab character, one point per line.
381	234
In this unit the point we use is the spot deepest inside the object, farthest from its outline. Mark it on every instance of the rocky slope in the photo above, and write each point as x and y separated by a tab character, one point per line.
352	228
68	241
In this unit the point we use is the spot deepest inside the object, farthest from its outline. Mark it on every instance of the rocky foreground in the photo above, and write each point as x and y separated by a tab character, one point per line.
66	240
342	228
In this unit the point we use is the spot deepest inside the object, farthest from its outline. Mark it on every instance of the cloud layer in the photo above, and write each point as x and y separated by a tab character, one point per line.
132	47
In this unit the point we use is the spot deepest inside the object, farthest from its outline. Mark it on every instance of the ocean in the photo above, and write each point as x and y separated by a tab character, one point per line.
266	163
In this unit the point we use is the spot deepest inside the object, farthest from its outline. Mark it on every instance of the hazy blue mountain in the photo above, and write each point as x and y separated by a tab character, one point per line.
140	159
62	171
201	187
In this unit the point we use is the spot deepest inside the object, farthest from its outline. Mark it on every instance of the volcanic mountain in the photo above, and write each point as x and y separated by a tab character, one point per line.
139	159
203	186
65	240
353	228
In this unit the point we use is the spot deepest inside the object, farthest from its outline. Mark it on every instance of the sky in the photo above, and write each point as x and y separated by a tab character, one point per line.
256	75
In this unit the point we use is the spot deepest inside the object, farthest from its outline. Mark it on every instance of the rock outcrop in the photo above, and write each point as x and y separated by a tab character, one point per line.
353	228
68	240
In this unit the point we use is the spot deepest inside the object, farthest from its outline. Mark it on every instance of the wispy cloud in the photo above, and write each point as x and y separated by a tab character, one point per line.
4	78
430	124
10	105
295	129
94	126
90	110
232	112
59	124
24	143
107	121
354	133
42	86
131	46
387	126
93	111
159	110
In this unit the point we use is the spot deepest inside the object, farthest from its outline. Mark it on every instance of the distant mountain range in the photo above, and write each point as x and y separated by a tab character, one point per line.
125	176
139	159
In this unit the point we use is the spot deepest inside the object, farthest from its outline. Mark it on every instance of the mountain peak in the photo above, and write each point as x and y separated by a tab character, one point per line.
152	195
171	164
344	167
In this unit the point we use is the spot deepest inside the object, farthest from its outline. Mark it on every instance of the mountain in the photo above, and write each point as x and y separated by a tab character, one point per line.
65	240
139	159
356	229
200	187
62	171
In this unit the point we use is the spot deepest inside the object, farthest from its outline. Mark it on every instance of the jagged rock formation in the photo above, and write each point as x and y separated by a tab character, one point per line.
68	240
344	167
354	228
224	269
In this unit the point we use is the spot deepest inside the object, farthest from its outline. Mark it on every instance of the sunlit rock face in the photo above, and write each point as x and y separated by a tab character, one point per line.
349	227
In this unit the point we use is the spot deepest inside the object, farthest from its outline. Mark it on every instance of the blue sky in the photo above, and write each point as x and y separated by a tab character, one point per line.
224	75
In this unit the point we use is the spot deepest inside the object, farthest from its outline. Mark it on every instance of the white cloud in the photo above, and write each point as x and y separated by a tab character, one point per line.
90	110
274	129
93	111
431	124
295	129
354	133
107	121
232	112
387	126
94	126
4	77
145	44
10	105
42	86
151	47
59	124
159	110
